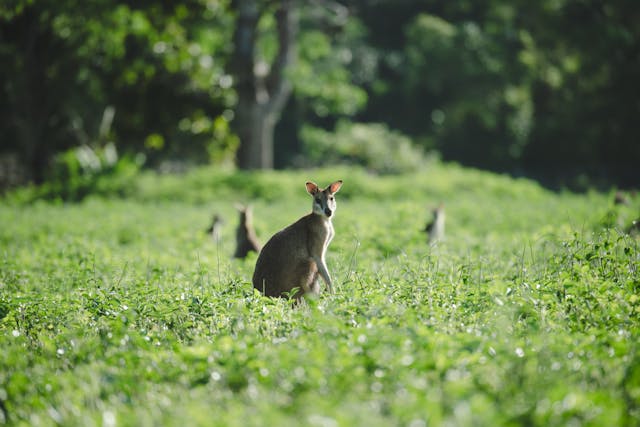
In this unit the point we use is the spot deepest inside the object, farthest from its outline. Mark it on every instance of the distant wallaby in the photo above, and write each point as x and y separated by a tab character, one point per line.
619	198
214	228
435	228
295	256
246	240
634	228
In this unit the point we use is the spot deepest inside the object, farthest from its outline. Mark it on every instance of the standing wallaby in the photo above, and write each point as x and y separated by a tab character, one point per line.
435	228
246	240
295	256
619	198
215	227
634	228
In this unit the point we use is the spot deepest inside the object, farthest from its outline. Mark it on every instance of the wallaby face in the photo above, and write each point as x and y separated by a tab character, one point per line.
295	256
324	203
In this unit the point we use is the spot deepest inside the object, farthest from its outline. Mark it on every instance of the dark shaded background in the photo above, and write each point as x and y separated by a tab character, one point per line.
546	89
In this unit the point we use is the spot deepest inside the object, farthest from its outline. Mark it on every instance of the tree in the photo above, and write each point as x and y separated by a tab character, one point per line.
262	89
160	67
33	108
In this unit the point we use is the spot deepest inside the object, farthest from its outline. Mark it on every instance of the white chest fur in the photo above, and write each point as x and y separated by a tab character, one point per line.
328	233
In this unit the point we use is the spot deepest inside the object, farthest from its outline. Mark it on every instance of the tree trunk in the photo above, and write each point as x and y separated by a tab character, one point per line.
255	125
262	89
32	100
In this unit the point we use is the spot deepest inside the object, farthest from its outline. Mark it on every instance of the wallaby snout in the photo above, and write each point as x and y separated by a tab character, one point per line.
295	256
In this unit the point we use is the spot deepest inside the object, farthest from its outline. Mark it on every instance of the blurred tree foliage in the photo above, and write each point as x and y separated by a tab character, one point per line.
371	145
153	63
548	89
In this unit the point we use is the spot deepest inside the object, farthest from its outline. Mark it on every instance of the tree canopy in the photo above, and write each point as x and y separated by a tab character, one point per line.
547	89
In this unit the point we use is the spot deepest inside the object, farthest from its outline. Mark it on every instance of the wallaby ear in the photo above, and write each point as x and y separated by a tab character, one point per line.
334	187
312	188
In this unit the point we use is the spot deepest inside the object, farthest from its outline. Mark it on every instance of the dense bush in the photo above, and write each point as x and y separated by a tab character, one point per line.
373	146
81	171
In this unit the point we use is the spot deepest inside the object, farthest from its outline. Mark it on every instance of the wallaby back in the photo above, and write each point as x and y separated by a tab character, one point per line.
246	239
295	256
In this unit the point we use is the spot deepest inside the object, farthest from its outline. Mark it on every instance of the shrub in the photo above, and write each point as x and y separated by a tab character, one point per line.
84	170
371	145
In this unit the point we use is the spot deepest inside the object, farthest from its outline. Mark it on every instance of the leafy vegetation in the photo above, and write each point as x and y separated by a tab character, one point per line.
122	311
544	89
372	146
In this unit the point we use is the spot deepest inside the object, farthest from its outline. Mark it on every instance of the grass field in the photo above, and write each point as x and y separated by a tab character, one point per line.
123	312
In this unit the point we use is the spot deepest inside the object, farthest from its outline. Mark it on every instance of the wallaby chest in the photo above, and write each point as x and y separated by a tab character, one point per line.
320	233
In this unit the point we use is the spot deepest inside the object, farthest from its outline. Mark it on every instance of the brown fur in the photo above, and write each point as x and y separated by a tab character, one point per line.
214	229
435	228
246	239
294	257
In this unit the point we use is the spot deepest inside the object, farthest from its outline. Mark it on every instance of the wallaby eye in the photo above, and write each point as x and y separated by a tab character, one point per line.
331	198
318	200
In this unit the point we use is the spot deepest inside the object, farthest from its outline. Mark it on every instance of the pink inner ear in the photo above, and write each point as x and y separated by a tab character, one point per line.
335	186
312	188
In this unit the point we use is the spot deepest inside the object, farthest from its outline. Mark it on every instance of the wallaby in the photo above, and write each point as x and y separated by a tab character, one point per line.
435	228
246	240
295	256
214	228
619	198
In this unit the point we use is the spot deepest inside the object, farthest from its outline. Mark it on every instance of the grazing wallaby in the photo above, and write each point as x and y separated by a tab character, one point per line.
246	240
295	256
435	228
214	228
619	198
634	228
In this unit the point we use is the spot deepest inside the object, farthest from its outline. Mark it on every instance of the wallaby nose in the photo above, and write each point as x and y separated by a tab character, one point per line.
327	212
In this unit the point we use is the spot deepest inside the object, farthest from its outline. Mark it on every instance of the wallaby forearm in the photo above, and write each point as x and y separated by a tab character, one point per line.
324	273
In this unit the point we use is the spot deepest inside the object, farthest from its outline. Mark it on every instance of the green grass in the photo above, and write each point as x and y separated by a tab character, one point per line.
123	312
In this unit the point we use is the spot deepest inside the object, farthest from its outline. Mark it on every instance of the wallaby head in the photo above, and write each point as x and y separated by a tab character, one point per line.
294	257
324	203
246	214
